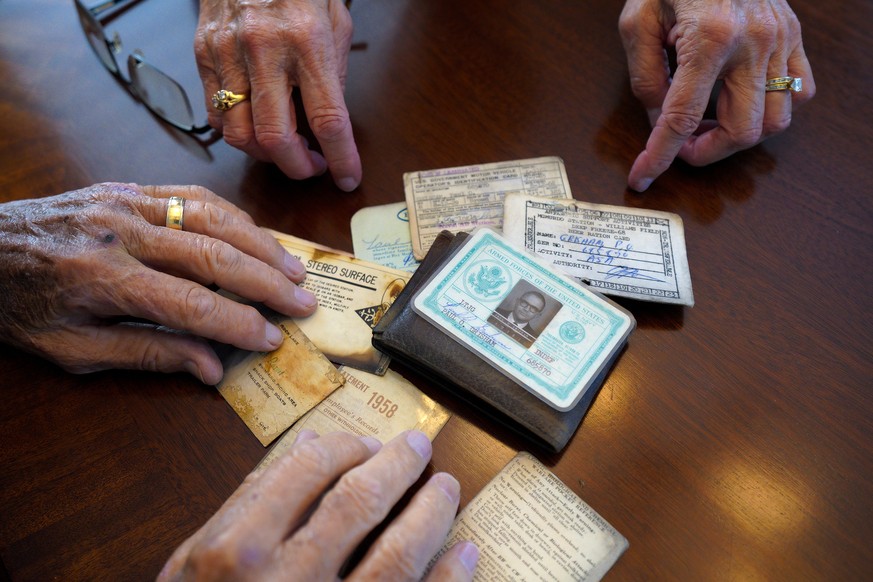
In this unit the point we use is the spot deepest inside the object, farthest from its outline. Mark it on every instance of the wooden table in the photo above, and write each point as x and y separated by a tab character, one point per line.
732	441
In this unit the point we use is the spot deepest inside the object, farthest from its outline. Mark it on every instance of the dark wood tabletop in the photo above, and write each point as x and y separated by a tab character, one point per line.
732	440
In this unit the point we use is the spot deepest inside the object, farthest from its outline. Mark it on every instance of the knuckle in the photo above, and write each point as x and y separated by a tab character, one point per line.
747	136
359	494
311	458
395	550
198	305
682	122
329	123
778	125
239	136
214	558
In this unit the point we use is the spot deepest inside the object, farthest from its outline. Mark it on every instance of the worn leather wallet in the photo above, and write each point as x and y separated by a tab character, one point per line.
411	339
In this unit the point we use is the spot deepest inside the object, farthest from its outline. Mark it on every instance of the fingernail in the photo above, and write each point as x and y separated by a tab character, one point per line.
449	486
642	185
304	297
294	267
274	335
372	443
307	434
347	184
318	162
419	443
468	555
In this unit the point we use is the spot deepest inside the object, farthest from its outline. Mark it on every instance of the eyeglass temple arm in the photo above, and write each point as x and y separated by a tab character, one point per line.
110	9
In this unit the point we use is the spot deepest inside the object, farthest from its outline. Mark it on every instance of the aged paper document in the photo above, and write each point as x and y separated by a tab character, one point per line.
530	526
627	252
461	199
380	234
352	296
270	391
369	405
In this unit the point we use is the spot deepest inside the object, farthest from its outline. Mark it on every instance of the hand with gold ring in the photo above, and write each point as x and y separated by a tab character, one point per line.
743	43
94	279
263	52
223	99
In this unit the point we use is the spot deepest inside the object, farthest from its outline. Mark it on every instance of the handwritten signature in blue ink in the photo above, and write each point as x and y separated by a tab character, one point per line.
629	273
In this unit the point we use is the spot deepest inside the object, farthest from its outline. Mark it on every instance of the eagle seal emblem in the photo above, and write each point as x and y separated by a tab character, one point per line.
486	279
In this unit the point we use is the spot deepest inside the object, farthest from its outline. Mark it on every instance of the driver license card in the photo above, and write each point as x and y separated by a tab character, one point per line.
548	333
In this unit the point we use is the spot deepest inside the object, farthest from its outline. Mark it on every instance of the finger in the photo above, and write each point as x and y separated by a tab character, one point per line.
357	503
798	66
134	347
182	305
209	261
196	193
643	37
456	565
329	120
680	116
406	547
275	124
245	532
213	216
741	119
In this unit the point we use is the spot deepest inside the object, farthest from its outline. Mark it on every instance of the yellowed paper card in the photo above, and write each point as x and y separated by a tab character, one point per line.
369	405
464	198
271	390
530	526
352	296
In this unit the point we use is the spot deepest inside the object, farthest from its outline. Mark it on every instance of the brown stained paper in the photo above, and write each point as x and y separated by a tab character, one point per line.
368	405
271	390
352	297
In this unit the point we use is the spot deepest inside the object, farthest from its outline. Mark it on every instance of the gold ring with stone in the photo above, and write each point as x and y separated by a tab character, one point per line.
176	212
224	99
793	84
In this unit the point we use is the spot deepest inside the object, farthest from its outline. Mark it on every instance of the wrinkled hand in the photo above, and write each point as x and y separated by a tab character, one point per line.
266	49
742	42
302	516
77	269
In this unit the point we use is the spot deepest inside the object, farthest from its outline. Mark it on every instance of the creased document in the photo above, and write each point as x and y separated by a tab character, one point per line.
626	252
461	199
369	405
530	526
352	296
271	390
380	234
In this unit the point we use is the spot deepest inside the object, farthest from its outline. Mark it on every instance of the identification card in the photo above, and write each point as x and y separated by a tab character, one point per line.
627	252
368	405
380	234
464	198
352	296
546	332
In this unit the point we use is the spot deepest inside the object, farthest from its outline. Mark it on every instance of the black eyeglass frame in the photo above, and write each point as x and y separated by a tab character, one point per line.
91	20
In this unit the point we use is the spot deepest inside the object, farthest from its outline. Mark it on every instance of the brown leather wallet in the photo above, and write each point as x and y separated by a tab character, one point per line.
417	343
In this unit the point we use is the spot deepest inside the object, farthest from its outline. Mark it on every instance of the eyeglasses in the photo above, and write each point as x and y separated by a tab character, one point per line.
162	95
529	306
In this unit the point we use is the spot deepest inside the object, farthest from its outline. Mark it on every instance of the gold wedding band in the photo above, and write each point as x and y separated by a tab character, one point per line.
176	212
224	99
793	84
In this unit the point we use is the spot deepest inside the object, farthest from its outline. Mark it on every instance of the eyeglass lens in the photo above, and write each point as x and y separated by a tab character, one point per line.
160	93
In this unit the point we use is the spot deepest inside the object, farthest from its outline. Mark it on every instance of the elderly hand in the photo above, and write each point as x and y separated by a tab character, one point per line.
304	515
742	42
265	49
78	268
